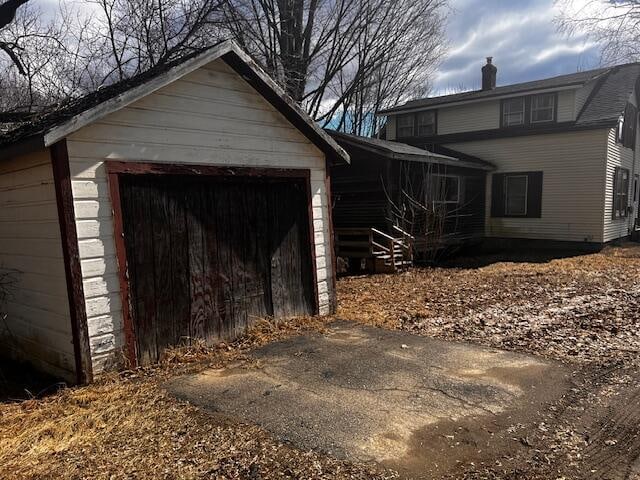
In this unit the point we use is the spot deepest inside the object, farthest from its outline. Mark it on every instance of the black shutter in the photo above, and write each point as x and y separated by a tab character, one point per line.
534	195
629	127
615	206
497	195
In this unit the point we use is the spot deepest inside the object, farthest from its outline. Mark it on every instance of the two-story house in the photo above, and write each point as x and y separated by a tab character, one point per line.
564	150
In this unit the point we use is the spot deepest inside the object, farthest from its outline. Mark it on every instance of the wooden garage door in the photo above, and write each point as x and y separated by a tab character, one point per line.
208	255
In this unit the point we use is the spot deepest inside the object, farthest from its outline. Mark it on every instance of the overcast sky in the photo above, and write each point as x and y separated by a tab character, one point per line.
518	34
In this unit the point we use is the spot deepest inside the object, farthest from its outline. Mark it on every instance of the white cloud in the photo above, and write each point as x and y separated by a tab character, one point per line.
521	36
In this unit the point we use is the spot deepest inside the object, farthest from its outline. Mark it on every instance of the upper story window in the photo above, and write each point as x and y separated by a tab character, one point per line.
426	122
421	124
405	125
528	110
620	193
513	112
543	108
627	123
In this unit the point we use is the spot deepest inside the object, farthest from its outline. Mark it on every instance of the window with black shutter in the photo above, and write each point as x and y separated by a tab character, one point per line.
517	194
627	127
620	193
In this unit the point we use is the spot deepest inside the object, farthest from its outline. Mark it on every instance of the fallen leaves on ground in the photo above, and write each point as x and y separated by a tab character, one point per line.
583	308
127	426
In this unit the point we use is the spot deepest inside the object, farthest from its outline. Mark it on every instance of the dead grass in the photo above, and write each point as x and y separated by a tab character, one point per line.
581	309
126	426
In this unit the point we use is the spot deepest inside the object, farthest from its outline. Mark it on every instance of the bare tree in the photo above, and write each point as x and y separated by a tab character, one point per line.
614	25
343	59
132	36
8	11
76	52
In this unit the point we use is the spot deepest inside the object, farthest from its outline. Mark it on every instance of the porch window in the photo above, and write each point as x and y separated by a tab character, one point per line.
444	189
543	108
513	112
405	125
515	194
426	123
620	193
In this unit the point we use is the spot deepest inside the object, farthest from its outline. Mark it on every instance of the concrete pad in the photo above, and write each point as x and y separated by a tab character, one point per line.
365	394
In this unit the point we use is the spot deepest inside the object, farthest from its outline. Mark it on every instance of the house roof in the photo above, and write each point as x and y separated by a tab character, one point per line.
606	102
27	133
402	151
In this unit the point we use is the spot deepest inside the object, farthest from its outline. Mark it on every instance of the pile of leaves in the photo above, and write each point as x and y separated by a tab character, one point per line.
582	309
127	426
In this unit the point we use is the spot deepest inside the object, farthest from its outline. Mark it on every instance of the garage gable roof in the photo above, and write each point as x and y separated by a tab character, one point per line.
53	126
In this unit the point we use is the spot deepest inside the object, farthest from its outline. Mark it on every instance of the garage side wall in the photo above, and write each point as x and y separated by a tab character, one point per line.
211	116
37	327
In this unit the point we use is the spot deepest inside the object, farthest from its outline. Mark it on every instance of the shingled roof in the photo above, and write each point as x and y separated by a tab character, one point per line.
20	135
606	102
401	151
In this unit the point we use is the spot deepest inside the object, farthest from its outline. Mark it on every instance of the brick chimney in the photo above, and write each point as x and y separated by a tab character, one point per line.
489	72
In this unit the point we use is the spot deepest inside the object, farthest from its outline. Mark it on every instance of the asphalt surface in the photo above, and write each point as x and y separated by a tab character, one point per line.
368	394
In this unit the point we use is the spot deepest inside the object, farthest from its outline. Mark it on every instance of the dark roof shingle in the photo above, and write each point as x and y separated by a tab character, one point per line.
607	101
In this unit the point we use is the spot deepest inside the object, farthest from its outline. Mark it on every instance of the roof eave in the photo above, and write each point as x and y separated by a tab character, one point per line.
497	96
427	157
242	64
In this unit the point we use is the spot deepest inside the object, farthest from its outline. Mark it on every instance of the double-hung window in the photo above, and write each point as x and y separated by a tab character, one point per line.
405	125
426	123
543	108
515	194
444	189
513	112
620	192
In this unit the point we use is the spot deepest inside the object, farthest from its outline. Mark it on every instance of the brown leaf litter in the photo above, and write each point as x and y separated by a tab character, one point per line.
581	309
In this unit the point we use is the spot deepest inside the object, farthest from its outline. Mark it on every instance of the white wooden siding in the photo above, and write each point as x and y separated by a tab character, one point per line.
617	156
211	116
566	106
573	183
469	118
38	324
484	115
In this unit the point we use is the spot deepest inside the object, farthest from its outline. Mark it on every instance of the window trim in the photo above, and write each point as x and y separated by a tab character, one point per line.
554	112
528	124
506	194
417	123
413	124
620	213
414	127
502	112
458	192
